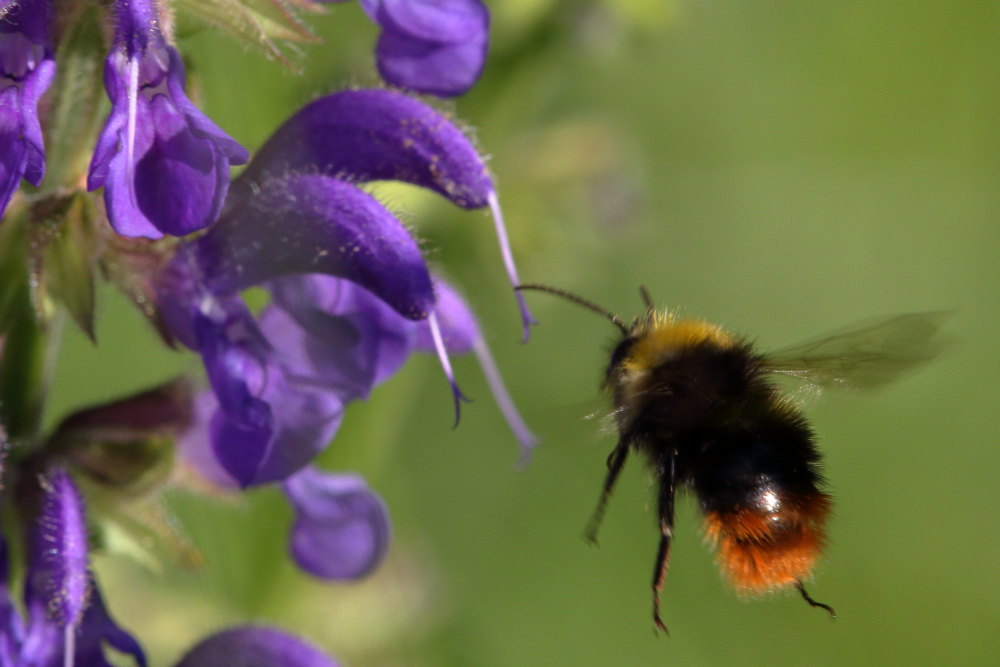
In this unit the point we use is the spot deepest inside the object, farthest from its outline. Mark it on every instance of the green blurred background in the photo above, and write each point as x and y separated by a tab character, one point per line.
783	168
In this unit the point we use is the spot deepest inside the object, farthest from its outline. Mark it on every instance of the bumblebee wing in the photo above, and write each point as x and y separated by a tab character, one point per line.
866	355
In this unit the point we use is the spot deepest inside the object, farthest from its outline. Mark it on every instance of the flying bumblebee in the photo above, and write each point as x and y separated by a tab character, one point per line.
701	404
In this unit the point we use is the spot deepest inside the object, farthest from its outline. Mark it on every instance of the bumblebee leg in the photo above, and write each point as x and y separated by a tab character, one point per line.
616	461
813	603
666	509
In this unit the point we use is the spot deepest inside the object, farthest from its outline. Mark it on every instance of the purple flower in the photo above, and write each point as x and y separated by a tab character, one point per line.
268	425
341	528
98	630
333	314
252	646
280	382
64	608
58	586
44	642
368	135
163	164
61	547
274	414
26	70
431	46
351	299
323	342
343	335
305	223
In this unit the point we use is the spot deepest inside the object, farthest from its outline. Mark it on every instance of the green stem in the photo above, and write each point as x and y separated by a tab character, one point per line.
23	370
29	345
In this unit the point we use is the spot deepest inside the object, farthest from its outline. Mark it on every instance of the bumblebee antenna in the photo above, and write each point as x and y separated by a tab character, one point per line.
646	297
578	300
648	300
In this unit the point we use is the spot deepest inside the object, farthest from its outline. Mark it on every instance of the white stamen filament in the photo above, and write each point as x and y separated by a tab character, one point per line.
508	261
525	438
442	354
69	645
133	101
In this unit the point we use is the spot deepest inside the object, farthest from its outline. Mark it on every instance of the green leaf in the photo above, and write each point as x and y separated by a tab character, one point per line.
13	266
64	252
260	24
131	264
143	530
23	378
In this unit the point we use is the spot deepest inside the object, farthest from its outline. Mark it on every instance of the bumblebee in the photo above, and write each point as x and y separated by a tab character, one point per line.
703	407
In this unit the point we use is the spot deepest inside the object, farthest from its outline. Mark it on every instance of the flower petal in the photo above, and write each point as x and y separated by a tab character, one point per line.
235	353
261	423
342	334
98	629
44	642
59	558
431	46
239	445
341	528
27	67
269	424
180	180
316	224
437	68
368	135
136	25
63	604
304	420
194	443
13	152
433	20
278	407
251	646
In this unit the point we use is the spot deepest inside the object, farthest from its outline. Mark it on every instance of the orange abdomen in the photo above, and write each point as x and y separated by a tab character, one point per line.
770	546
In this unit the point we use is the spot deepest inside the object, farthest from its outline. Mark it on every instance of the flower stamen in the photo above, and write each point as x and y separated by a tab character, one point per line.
508	260
442	354
525	438
133	96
